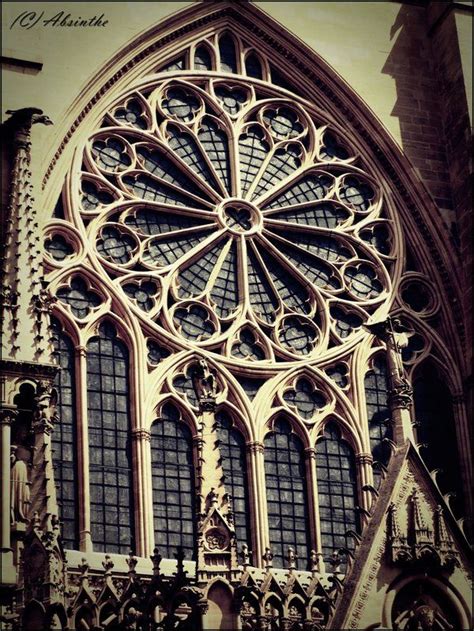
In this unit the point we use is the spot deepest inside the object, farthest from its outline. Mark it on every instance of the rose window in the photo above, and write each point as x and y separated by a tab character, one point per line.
235	219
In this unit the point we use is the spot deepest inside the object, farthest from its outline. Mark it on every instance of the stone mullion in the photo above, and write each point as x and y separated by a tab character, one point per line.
259	518
313	503
83	476
141	457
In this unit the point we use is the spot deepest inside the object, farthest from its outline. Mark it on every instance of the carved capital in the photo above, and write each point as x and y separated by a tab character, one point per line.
255	447
7	415
401	396
80	351
364	459
310	453
138	433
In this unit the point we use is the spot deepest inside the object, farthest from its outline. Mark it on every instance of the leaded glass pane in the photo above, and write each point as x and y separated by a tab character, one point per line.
58	247
261	295
64	440
79	298
234	464
253	67
323	216
285	479
202	58
148	188
215	143
308	189
193	279
173	484
253	150
108	419
378	412
165	251
282	164
292	293
225	289
150	221
337	491
227	53
187	148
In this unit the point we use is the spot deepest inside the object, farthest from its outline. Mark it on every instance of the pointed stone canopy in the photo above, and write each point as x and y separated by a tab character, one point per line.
412	535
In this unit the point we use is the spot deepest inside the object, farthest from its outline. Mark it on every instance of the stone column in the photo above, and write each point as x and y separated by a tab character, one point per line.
142	485
365	477
7	569
85	541
392	332
313	505
255	451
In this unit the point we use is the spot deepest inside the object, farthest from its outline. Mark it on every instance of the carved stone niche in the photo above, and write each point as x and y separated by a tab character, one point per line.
421	606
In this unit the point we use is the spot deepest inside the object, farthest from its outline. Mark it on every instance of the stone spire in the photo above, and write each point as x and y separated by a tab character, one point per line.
24	299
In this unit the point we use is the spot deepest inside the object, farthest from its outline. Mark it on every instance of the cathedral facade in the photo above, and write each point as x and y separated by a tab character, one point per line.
236	369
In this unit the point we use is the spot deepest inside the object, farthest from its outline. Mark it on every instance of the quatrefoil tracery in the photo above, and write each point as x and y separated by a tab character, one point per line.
245	209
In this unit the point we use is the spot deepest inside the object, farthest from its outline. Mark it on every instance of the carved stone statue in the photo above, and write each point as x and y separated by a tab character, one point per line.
205	384
20	491
396	336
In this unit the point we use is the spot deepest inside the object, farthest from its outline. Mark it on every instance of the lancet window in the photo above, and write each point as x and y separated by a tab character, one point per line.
64	437
110	466
173	483
287	498
337	491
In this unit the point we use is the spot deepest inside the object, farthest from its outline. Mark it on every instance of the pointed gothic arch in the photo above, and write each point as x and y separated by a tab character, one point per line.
153	134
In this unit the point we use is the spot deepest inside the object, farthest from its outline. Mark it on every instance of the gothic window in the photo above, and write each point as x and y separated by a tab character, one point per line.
378	412
435	428
173	483
337	491
228	218
64	440
233	454
108	395
287	502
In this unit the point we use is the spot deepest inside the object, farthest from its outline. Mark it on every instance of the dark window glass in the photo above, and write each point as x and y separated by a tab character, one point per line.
253	67
228	56
436	430
234	464
173	484
225	290
283	163
216	146
287	506
378	412
253	150
64	442
337	491
202	59
109	443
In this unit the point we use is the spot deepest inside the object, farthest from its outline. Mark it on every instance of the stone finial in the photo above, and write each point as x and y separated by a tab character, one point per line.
291	558
245	555
132	563
267	559
108	565
156	559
